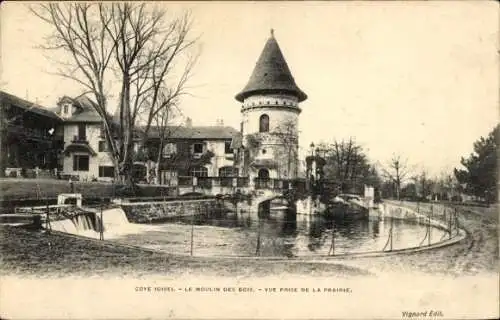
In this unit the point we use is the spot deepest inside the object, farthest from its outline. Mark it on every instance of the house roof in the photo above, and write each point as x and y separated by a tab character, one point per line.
27	105
271	74
85	110
196	132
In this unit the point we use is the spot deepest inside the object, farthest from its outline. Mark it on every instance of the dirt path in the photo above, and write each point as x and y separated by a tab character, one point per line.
477	254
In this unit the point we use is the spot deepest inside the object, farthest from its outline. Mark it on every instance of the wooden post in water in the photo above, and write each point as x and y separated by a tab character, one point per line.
332	247
257	251
101	227
449	224
429	225
48	210
391	230
192	234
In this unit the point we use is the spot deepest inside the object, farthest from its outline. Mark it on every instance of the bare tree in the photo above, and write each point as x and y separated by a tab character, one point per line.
347	164
162	121
423	183
286	134
134	46
397	172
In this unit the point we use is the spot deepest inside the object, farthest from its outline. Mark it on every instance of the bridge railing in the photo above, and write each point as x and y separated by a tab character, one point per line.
240	182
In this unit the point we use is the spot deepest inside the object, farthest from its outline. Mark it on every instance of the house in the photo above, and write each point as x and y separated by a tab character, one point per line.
85	154
194	151
30	143
200	151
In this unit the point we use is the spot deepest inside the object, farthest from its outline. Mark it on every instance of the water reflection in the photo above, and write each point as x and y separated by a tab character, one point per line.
279	233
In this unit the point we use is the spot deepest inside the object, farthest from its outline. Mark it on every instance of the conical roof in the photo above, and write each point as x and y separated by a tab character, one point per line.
271	74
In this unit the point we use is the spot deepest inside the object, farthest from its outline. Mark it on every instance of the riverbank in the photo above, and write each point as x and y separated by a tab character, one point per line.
40	254
478	254
21	189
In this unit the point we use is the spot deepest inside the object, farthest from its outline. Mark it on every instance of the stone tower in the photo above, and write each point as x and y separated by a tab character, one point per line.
270	115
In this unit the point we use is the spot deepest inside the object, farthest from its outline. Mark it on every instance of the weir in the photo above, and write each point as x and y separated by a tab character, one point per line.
89	223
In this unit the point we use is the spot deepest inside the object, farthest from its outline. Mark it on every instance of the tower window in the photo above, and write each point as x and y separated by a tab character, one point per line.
264	123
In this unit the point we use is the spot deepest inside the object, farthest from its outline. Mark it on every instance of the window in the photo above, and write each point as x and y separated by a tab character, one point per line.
228	172
198	148
65	109
227	147
103	146
264	123
82	135
80	163
106	172
198	172
102	131
169	149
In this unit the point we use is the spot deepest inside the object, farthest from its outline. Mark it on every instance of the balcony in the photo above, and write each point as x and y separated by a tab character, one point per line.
34	133
78	139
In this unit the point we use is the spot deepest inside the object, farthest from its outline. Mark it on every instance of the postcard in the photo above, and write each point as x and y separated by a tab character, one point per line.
201	160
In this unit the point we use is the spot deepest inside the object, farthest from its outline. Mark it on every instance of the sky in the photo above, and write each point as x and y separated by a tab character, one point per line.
416	79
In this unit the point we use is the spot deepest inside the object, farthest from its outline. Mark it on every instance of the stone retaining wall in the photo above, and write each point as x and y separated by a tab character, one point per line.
439	220
147	212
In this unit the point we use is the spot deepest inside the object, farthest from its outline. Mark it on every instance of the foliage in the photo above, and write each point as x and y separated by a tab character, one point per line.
286	135
348	166
479	178
132	46
253	141
397	172
184	159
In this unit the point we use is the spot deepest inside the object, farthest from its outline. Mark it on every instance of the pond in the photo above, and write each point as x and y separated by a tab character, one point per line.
280	234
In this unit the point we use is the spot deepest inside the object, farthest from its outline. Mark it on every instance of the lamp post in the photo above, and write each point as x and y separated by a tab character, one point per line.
311	146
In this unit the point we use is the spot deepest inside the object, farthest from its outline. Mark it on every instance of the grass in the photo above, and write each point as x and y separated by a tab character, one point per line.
37	253
18	189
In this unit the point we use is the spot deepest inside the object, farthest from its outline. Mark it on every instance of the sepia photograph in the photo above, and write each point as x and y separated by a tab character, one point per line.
249	160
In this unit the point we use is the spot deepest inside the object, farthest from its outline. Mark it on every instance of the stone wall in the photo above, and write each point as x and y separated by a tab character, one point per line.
439	219
147	212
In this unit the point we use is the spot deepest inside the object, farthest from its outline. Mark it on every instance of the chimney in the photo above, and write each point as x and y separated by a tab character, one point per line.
189	122
219	122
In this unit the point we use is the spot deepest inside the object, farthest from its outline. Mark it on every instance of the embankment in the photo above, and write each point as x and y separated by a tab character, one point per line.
157	211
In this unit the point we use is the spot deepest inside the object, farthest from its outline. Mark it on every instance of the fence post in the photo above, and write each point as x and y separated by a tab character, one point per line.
456	220
101	227
332	247
48	226
429	225
257	251
192	234
449	224
48	211
391	231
